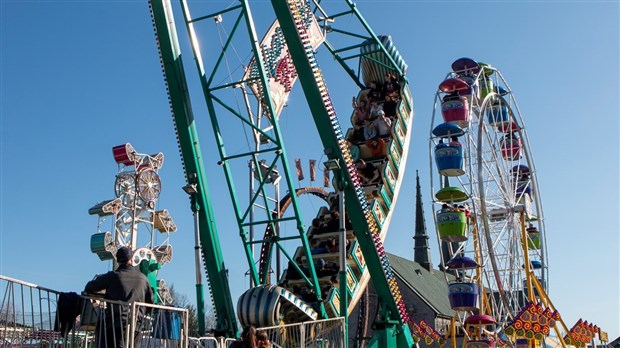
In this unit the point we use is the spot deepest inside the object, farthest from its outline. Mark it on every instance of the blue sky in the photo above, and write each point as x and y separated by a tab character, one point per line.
79	77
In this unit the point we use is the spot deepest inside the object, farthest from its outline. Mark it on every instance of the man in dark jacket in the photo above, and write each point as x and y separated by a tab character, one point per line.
126	284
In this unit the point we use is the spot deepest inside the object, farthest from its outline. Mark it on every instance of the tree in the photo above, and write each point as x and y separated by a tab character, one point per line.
182	301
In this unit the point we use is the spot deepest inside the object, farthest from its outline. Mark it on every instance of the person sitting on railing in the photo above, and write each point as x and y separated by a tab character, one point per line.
383	124
126	284
368	172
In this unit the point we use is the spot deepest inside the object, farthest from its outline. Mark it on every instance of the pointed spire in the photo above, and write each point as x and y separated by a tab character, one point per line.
421	251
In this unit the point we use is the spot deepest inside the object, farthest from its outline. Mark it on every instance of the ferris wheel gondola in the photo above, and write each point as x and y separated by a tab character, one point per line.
480	149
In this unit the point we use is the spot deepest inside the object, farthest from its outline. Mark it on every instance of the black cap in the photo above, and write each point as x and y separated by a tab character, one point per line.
123	255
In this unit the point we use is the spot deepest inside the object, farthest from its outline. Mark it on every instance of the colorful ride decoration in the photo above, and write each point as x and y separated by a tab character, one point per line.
533	322
135	217
581	334
422	331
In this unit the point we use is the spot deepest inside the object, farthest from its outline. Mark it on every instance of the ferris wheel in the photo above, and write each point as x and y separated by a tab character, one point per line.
490	222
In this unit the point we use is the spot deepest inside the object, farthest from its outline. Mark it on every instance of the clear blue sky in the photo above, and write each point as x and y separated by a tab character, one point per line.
78	77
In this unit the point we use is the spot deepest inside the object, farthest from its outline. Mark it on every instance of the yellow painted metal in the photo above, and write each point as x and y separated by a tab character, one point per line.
526	259
484	305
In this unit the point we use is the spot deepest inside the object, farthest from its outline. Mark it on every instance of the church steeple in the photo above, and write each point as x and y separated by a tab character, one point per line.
421	251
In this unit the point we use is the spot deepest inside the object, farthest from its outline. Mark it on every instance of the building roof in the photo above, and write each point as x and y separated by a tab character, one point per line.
430	286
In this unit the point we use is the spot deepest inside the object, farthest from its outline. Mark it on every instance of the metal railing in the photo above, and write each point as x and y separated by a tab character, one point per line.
33	316
315	334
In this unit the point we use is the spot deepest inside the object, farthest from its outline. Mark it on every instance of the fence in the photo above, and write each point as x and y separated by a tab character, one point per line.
33	316
315	334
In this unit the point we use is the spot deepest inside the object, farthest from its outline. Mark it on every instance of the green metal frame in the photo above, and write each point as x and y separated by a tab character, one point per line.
392	331
276	148
187	134
348	53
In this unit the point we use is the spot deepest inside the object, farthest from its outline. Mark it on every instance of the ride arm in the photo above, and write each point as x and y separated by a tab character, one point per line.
333	141
226	323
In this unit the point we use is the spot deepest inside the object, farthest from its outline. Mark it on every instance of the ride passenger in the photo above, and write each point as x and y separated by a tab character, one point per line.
389	106
316	248
368	172
262	339
383	124
247	339
375	92
373	112
390	85
354	150
376	146
357	134
361	111
370	130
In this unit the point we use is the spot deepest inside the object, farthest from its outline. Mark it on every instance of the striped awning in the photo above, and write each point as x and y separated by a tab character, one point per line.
375	63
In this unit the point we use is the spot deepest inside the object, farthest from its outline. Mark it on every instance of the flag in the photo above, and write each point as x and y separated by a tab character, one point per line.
300	172
312	170
325	177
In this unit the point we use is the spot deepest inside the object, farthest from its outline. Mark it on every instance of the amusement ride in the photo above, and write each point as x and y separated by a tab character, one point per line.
285	54
489	217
